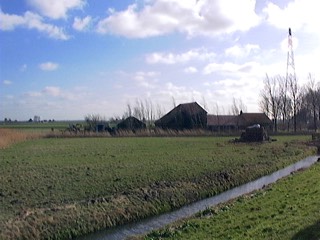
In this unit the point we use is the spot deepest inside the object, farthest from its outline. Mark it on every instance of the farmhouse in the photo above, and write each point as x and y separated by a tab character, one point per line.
223	123
248	119
131	123
238	122
193	116
184	116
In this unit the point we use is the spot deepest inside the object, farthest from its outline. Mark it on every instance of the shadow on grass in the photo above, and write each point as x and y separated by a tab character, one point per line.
310	233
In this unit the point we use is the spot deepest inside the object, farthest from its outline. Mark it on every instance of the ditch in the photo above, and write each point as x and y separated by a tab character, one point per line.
153	223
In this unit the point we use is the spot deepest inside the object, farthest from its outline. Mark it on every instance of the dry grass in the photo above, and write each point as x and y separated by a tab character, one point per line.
11	136
152	132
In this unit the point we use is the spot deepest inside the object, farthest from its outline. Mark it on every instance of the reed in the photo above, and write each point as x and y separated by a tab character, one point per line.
12	136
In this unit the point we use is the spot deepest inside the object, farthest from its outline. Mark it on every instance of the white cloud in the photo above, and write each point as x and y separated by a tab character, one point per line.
52	91
81	24
56	9
202	17
171	58
298	14
48	66
142	75
7	82
30	21
229	68
247	88
9	22
33	94
146	79
58	93
173	89
180	94
54	102
241	51
190	70
306	64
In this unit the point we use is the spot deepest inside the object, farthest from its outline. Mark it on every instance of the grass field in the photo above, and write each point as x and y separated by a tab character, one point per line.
38	126
61	188
288	209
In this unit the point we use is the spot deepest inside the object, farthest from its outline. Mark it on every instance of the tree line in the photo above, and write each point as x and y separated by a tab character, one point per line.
289	105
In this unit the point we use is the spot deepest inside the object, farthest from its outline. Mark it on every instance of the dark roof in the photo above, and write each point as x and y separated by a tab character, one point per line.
242	120
191	108
221	120
254	118
131	123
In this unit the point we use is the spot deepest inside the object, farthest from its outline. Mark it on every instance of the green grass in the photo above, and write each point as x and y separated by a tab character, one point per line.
39	126
288	209
66	187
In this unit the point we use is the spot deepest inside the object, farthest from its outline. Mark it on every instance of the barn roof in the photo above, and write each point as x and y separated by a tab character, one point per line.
244	120
253	118
192	108
221	120
131	123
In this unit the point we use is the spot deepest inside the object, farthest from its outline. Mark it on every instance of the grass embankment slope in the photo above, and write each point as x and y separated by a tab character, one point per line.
61	188
288	209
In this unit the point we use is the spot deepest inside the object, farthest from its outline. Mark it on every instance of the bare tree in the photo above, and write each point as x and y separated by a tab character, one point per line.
93	119
143	110
160	111
139	110
285	101
149	111
238	106
174	102
265	104
294	94
312	97
271	98
128	112
318	94
204	103
216	110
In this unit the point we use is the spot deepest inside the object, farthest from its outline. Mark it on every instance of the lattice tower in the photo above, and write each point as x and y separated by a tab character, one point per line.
291	71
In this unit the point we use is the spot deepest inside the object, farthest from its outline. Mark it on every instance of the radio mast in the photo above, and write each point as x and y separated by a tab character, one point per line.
291	70
291	79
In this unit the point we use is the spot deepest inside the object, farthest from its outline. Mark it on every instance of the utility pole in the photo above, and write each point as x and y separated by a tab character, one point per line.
291	71
291	79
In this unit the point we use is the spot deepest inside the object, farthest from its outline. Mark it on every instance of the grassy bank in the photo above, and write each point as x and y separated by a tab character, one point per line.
288	209
61	188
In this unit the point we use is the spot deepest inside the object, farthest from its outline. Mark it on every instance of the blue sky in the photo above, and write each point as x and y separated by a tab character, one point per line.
65	59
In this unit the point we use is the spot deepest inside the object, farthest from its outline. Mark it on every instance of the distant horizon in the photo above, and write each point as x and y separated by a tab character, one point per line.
71	59
45	120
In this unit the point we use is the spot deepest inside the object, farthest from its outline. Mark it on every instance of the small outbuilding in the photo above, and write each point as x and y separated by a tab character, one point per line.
184	116
131	123
245	120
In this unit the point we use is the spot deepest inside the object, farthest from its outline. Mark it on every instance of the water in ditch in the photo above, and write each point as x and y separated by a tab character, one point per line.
147	225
